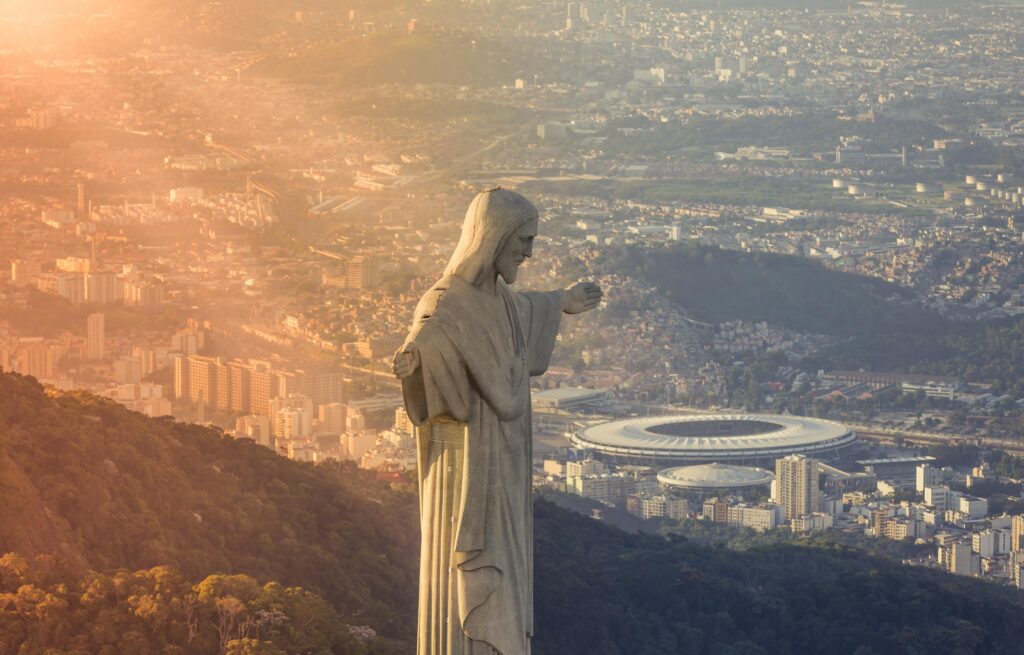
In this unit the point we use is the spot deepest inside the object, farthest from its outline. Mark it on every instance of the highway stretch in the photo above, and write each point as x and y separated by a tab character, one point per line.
876	433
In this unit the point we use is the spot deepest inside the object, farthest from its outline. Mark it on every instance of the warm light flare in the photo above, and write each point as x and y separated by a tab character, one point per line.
26	10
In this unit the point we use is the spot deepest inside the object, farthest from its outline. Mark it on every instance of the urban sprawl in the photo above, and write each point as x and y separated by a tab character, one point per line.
237	235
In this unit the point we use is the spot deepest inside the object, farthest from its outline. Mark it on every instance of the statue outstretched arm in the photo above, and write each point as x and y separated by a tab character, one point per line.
581	297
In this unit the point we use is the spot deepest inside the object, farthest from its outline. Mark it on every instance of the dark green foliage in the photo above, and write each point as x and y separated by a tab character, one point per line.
713	285
1007	465
735	537
959	456
991	353
157	611
603	591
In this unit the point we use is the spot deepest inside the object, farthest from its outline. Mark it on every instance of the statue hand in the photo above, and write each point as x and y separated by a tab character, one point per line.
406	362
581	297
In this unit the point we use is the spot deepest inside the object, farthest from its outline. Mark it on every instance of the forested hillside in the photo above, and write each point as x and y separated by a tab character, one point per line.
603	591
977	352
713	285
106	489
125	534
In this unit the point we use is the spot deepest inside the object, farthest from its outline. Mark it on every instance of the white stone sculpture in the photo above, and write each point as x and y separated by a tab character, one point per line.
465	370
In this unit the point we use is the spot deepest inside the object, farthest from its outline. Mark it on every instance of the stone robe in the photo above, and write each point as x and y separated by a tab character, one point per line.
470	399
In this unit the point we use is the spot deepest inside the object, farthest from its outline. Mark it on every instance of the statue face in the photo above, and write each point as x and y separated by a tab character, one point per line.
517	247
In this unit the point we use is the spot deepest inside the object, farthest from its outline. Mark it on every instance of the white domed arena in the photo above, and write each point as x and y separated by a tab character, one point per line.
745	439
715	477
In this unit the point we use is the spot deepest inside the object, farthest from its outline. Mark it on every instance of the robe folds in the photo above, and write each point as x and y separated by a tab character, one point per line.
470	399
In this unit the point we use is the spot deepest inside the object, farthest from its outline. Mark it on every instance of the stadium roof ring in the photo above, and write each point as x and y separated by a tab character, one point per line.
723	438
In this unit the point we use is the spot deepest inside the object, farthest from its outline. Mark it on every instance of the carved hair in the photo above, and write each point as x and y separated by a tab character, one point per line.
492	218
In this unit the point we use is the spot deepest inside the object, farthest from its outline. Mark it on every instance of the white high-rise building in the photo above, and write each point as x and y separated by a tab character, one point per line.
358	442
127	370
102	287
974	508
758	518
362	272
181	380
1017	533
941	498
584	468
291	423
984	543
959	558
812	522
403	424
647	506
1017	569
1002	539
926	476
331	417
292	416
796	485
95	336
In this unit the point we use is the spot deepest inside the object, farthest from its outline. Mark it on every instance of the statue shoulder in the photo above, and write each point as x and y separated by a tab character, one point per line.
438	303
448	300
441	315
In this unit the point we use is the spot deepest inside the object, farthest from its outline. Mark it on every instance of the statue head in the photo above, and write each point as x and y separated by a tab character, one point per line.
514	251
497	236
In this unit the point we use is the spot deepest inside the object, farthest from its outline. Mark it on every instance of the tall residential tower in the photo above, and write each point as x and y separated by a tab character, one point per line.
796	485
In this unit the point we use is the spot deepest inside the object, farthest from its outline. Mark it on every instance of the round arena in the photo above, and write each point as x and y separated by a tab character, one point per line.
724	438
715	477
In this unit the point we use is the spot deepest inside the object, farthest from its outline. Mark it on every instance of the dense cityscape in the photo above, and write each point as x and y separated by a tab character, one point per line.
801	217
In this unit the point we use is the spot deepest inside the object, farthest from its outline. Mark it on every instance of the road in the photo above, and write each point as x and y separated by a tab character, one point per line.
875	433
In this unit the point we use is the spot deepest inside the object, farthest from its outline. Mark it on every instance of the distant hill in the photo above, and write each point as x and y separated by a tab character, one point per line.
144	536
882	327
713	285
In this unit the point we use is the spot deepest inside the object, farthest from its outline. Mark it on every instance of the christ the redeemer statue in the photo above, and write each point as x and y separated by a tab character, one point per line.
465	370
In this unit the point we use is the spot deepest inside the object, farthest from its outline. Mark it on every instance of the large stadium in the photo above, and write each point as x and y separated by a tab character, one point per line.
725	438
